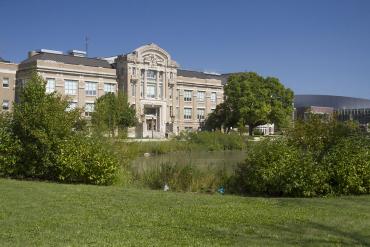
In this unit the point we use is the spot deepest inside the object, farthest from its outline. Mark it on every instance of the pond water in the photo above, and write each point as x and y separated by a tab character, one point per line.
201	159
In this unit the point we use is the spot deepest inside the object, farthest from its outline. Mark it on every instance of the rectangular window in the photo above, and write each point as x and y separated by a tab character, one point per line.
142	73
5	82
187	113
187	95
70	87
89	109
133	88
200	114
160	90
170	92
213	97
188	128
151	90
71	106
5	105
90	88
200	96
160	76
142	89
50	85
133	70
109	88
151	74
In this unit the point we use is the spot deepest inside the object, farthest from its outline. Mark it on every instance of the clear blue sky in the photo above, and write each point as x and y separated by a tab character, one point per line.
320	47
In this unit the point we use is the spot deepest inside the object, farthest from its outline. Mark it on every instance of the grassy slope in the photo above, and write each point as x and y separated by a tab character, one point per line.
46	214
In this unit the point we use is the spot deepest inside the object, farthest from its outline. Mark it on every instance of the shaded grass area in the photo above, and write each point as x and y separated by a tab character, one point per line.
46	214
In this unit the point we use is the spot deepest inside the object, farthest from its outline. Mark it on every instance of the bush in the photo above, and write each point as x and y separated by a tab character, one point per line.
317	158
275	168
214	141
9	148
86	160
348	163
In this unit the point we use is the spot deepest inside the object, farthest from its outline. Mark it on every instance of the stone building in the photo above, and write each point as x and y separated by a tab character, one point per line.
73	75
7	84
167	99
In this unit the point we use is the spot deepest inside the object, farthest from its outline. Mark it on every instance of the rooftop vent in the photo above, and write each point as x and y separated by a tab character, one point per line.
49	51
77	53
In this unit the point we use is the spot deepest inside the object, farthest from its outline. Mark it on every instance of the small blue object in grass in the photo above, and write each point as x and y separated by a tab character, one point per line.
221	190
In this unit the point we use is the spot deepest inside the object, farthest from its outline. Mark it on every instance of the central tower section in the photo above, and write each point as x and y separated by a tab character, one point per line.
148	77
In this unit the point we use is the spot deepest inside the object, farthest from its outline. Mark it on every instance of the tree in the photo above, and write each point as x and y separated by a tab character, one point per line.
254	100
41	122
113	112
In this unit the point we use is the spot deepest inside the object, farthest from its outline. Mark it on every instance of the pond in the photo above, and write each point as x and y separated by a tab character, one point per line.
201	159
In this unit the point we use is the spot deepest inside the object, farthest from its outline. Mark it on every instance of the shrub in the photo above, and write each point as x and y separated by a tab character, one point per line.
9	148
278	169
86	160
348	163
216	140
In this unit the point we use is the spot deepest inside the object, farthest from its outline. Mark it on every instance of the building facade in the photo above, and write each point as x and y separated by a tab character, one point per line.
7	84
167	99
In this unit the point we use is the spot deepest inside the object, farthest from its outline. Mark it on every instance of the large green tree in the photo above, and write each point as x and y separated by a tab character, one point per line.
41	122
253	100
113	112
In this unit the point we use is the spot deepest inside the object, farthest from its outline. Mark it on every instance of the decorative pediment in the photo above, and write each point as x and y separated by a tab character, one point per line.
153	59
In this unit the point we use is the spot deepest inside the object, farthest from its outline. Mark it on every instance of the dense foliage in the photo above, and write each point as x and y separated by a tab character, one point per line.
316	158
41	140
112	113
252	100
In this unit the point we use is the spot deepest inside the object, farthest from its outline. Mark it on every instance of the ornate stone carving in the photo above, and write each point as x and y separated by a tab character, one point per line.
153	59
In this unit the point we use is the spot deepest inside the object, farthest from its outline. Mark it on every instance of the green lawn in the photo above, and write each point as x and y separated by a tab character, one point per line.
48	214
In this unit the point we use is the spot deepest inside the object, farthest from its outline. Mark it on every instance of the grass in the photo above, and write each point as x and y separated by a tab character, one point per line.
48	214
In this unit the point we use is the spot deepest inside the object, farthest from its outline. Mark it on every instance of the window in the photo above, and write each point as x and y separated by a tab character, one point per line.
109	87
151	74
170	92
71	106
171	75
187	113
142	73
160	76
50	85
200	95
70	87
213	97
133	88
160	90
90	88
188	128
200	114
89	109
5	105
151	90
187	95
133	70
142	89
5	82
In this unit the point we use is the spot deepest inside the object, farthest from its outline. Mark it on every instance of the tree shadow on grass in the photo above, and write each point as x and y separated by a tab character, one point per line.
315	234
